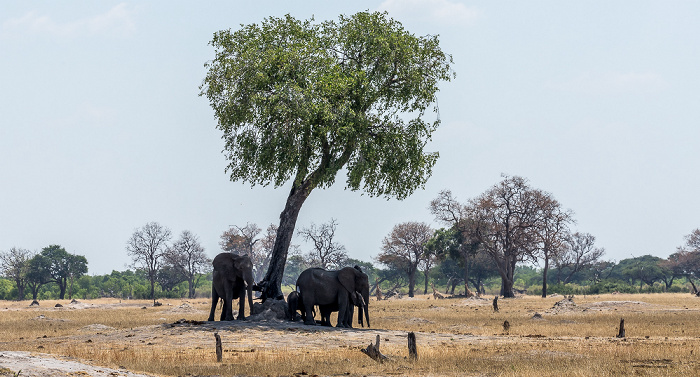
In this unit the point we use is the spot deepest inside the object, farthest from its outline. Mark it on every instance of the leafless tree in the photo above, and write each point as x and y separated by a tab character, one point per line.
449	211
405	249
240	240
579	252
429	260
245	241
552	232
187	256
326	253
147	247
263	251
506	218
14	264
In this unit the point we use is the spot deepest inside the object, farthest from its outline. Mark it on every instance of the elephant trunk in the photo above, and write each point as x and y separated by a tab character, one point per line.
365	305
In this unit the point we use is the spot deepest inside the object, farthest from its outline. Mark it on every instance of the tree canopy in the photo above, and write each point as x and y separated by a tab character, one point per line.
298	100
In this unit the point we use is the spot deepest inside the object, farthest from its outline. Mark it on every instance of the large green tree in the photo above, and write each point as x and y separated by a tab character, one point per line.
64	267
299	101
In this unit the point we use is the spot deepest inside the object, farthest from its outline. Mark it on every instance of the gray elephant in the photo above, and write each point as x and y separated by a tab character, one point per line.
294	304
333	291
232	278
355	299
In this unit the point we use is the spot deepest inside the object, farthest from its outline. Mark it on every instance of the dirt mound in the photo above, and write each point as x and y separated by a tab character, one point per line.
617	305
185	308
96	327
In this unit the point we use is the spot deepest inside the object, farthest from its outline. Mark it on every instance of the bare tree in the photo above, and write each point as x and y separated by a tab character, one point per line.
460	240
263	252
552	232
506	218
429	259
326	253
147	247
187	256
240	240
686	260
579	252
14	264
405	249
245	241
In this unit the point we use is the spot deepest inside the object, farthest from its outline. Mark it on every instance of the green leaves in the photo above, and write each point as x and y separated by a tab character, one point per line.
301	100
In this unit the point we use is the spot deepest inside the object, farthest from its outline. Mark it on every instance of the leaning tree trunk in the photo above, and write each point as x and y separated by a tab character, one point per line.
272	283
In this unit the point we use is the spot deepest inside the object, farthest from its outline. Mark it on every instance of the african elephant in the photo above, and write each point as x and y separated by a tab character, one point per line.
333	291
354	299
232	277
294	304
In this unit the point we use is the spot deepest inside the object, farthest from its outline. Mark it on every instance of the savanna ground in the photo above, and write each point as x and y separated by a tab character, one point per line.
455	336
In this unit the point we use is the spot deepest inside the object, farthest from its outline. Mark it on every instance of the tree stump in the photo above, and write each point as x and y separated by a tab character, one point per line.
495	304
373	351
219	350
621	333
412	347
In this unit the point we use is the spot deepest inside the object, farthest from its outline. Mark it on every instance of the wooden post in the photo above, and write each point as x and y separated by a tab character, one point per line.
219	351
412	348
621	333
373	351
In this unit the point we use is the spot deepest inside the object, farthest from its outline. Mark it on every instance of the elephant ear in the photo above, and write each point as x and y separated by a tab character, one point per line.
346	276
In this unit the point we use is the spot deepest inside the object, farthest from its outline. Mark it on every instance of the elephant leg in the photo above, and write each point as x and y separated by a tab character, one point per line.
343	302
308	309
325	315
228	304
348	316
241	304
214	302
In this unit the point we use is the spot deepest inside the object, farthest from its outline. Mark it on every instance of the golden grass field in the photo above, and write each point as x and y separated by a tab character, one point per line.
456	337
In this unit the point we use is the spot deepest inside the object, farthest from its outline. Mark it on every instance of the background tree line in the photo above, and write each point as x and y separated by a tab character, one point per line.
437	257
512	238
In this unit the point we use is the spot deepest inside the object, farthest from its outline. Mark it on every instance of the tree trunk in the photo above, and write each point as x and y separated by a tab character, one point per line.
507	287
466	276
20	289
62	288
695	289
544	277
272	283
411	282
190	288
70	288
153	290
425	274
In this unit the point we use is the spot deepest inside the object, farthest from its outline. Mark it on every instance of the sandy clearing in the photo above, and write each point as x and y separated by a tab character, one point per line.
44	365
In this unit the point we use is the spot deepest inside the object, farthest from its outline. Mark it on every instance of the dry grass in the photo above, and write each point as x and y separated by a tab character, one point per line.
455	337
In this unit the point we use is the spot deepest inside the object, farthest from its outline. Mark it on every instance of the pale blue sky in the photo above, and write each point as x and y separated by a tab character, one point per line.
102	129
